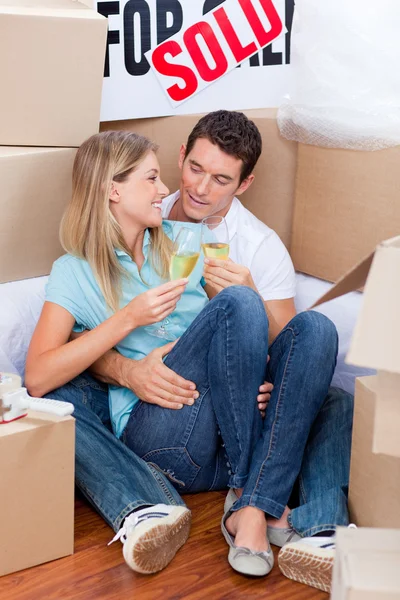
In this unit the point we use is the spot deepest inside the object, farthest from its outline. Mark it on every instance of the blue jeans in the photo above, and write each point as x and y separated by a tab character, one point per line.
117	481
113	479
224	351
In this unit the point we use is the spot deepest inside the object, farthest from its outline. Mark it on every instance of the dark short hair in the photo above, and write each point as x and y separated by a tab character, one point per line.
234	133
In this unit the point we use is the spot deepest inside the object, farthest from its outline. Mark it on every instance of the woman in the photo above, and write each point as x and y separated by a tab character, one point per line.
117	249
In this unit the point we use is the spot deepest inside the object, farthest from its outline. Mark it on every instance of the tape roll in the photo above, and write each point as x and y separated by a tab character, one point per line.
9	382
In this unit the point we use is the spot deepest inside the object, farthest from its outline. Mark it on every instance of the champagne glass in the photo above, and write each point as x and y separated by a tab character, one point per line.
185	254
215	238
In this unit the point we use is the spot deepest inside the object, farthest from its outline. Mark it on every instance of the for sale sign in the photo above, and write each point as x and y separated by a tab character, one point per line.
188	56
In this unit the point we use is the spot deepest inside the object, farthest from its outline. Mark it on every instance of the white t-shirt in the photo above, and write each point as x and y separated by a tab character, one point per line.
257	247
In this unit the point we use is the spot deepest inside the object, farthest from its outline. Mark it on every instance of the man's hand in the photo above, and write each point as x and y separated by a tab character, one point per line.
264	397
220	274
155	383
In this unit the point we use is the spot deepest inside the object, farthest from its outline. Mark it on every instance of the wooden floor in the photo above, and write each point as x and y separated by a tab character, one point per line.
200	569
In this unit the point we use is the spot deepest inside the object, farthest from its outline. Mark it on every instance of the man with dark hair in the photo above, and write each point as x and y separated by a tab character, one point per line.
217	166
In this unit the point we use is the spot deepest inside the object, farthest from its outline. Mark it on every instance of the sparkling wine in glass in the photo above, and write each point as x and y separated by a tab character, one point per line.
185	254
215	238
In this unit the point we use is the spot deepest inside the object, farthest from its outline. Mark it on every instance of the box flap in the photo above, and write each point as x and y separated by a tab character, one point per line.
375	341
351	281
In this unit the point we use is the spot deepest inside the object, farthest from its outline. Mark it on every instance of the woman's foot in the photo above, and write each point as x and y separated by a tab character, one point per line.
248	527
245	533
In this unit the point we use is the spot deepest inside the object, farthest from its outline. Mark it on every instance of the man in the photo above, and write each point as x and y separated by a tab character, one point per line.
217	166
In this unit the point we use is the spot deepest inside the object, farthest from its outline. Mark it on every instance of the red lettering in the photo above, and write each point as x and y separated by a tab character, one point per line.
205	30
171	70
264	37
239	52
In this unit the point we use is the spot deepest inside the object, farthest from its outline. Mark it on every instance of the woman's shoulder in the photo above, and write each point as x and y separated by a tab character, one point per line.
67	263
68	260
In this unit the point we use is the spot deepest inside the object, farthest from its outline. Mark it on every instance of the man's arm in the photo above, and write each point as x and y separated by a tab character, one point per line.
148	378
283	311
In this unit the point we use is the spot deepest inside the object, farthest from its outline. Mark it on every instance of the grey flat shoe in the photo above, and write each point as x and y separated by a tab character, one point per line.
244	560
230	500
278	536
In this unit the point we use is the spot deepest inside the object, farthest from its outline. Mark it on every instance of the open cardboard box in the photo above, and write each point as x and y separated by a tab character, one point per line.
377	332
366	564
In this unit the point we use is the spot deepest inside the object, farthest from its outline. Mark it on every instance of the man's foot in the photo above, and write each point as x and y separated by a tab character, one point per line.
152	536
309	561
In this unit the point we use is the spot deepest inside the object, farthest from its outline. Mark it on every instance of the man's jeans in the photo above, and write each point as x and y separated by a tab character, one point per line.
116	481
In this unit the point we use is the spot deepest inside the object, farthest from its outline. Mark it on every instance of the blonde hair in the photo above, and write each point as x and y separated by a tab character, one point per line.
88	229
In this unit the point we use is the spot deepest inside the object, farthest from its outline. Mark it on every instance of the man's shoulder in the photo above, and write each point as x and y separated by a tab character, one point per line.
250	227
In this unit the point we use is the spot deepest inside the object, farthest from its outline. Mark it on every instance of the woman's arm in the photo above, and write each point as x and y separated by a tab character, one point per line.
52	360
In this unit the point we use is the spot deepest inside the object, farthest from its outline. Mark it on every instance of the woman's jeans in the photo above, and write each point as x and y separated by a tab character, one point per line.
302	440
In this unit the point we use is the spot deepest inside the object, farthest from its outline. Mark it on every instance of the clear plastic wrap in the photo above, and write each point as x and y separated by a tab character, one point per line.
345	62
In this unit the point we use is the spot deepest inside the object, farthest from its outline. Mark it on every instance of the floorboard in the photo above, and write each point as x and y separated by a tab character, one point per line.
200	569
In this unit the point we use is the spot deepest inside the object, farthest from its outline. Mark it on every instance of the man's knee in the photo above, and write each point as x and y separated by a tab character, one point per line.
339	403
317	328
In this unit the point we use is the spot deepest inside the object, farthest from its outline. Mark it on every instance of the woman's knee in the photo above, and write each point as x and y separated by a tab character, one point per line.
241	297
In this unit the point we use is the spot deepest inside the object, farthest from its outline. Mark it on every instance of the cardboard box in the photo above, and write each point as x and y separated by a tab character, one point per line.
367	565
346	202
36	186
52	60
37	457
272	194
374	490
375	341
270	197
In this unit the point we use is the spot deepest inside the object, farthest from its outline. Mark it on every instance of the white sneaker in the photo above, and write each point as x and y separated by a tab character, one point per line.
152	536
310	561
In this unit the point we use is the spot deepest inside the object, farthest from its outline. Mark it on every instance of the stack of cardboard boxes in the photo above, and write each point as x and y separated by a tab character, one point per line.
52	58
367	563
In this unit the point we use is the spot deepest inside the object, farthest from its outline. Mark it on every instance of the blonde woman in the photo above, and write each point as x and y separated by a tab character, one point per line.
111	283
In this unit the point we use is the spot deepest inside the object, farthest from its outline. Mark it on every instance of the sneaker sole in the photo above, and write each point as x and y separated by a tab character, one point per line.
308	568
152	547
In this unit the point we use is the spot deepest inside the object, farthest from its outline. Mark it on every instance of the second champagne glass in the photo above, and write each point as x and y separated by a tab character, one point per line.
215	238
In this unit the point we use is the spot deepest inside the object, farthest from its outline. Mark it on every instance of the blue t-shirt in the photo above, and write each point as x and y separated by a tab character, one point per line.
73	286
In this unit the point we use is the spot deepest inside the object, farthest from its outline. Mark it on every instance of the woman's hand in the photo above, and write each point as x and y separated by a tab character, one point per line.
156	304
